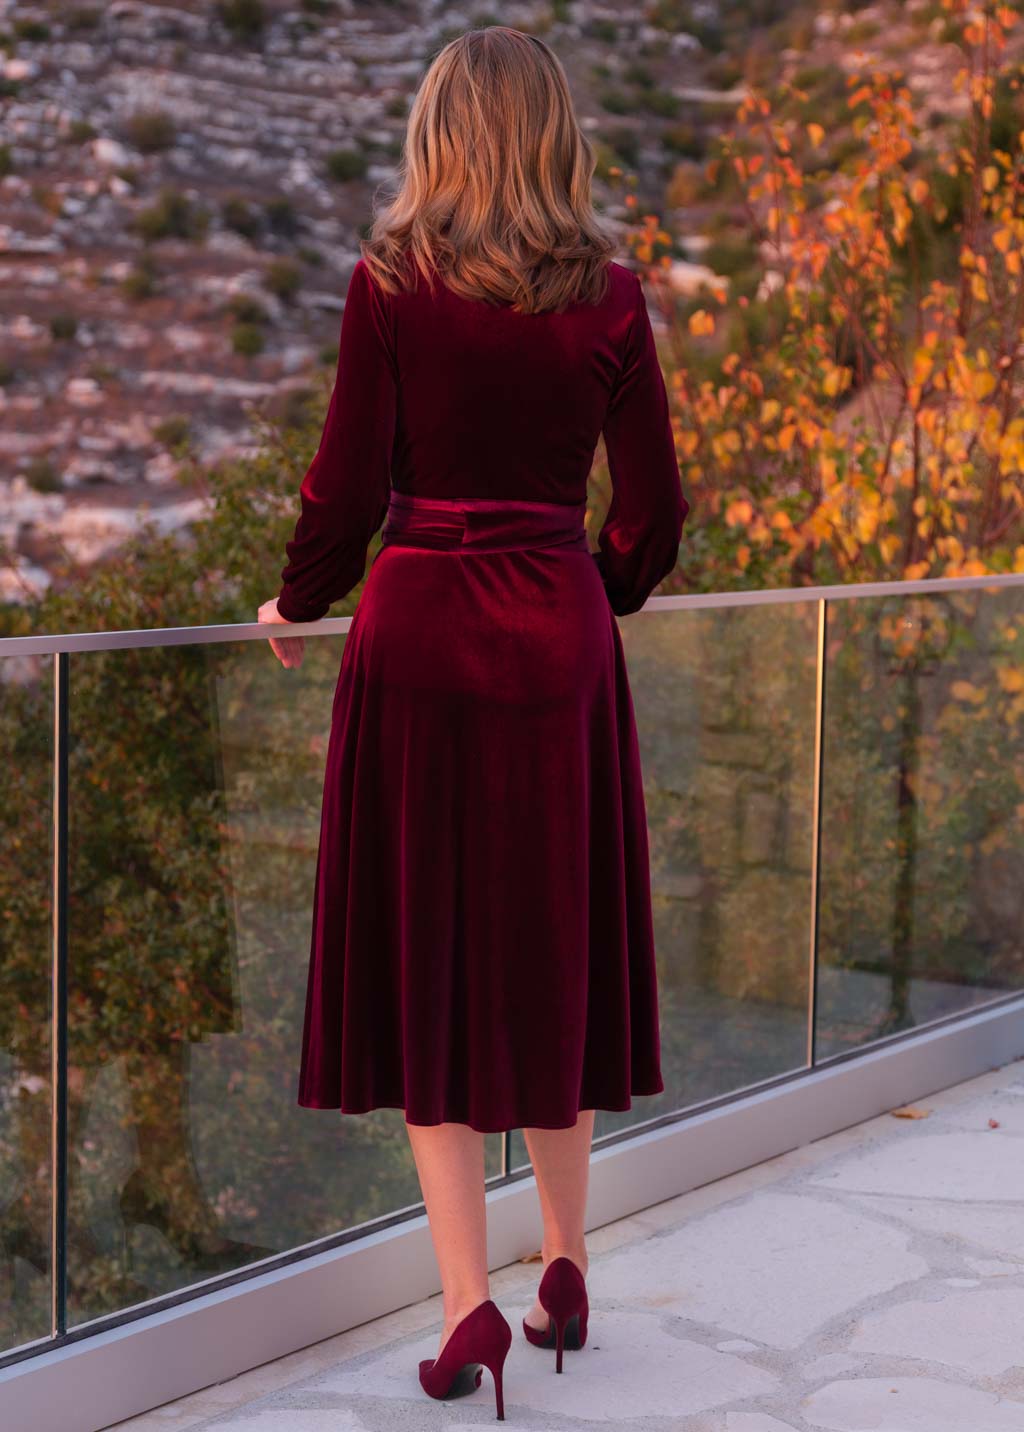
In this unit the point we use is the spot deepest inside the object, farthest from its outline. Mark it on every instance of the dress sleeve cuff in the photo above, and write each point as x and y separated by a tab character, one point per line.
294	611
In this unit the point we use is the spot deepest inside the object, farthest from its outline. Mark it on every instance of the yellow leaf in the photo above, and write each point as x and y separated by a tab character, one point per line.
1011	678
919	191
770	410
739	512
786	436
816	132
689	442
965	691
990	177
701	323
909	1111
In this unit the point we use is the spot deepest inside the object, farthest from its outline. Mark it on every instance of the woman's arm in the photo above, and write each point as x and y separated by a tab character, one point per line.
639	542
345	492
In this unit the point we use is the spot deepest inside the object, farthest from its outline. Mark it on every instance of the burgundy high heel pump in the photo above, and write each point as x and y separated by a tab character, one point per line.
563	1296
482	1337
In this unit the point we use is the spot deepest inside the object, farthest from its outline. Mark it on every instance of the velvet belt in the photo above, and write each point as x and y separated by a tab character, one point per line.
483	524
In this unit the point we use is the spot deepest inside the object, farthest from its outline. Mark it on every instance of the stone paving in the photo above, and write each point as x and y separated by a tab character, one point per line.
872	1281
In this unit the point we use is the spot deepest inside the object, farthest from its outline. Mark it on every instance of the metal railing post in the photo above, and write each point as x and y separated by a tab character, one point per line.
59	1006
816	802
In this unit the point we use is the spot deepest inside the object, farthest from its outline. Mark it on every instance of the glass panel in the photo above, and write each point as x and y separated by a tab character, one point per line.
922	894
196	780
26	872
725	708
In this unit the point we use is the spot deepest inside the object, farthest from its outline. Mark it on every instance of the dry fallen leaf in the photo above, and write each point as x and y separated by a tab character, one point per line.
532	1257
993	1123
908	1111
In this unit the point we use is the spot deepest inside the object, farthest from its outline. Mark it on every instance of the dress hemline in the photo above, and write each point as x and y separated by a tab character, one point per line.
606	1106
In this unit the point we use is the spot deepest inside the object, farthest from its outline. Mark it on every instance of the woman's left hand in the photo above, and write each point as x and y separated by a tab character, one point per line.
288	649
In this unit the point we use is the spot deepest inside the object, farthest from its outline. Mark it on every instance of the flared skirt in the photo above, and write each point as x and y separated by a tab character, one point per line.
482	946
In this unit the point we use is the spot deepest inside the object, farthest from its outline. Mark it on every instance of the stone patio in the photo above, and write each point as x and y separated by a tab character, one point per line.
872	1281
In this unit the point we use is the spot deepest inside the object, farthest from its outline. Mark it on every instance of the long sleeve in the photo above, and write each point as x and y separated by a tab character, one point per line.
346	489
639	542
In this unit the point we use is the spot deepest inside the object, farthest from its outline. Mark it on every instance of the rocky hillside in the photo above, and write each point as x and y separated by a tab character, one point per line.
183	185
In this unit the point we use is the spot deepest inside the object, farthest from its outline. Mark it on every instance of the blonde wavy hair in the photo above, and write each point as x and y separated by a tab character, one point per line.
493	193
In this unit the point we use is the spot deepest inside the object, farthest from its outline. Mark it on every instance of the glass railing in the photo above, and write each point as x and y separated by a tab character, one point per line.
835	790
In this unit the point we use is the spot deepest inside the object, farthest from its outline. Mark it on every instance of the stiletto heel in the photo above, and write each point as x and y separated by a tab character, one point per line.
563	1296
482	1337
498	1398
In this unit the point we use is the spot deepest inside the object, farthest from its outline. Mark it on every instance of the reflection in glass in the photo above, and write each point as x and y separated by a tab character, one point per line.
195	787
725	710
26	838
922	876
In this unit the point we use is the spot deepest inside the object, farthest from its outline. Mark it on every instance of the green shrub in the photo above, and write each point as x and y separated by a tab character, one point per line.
605	159
346	164
6	160
281	216
247	339
174	433
638	74
685	140
42	475
238	214
150	130
244	18
660	102
615	101
861	31
283	279
141	282
172	216
33	31
80	130
247	309
730	255
626	144
63	326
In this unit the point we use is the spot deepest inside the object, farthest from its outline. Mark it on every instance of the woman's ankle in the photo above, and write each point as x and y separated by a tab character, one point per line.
575	1252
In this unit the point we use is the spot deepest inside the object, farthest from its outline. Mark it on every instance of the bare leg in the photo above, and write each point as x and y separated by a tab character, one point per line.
561	1162
450	1164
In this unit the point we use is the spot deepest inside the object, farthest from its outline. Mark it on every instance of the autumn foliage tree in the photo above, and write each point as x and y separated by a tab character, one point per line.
870	424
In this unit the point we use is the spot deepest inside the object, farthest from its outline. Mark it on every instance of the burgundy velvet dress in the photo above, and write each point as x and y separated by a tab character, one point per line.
482	946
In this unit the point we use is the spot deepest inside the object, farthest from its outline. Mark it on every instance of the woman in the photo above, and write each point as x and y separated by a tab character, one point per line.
482	953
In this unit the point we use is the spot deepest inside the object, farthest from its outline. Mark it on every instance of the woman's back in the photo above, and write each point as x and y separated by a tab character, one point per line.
440	396
495	403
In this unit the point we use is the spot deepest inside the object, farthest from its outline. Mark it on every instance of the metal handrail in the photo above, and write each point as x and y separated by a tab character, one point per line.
337	626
